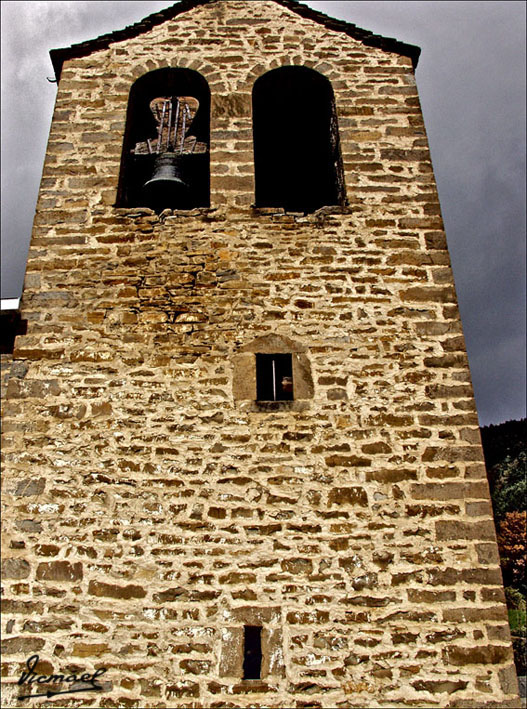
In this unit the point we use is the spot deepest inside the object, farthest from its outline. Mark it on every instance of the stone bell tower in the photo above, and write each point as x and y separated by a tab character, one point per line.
241	455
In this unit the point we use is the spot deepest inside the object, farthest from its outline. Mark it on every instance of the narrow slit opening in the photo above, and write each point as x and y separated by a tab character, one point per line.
252	652
274	377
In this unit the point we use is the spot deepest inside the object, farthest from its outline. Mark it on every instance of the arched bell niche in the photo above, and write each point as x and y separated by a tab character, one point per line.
296	143
165	158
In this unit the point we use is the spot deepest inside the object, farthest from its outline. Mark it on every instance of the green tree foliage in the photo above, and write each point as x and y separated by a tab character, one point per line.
509	492
515	600
502	440
505	449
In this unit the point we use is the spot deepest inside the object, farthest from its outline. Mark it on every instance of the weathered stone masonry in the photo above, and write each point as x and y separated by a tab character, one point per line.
151	507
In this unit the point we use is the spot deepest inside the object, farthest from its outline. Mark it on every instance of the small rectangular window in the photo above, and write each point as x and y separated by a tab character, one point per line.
252	652
274	377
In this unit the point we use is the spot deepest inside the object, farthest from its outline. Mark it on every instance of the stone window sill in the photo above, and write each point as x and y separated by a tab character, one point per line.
252	686
271	406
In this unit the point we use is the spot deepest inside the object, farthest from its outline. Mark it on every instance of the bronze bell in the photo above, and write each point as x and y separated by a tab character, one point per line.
166	183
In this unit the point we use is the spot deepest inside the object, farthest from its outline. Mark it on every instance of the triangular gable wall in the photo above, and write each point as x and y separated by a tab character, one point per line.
389	44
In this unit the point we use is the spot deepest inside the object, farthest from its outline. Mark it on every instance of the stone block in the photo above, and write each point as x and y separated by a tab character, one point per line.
15	568
297	567
171	595
423	596
508	679
30	486
342	496
347	461
237	577
24	607
447	686
109	590
476	655
391	476
59	571
450	529
25	645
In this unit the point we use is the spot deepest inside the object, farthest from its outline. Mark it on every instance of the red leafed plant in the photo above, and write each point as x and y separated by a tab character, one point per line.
512	543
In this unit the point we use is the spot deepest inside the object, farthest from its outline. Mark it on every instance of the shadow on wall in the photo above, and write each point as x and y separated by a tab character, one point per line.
11	325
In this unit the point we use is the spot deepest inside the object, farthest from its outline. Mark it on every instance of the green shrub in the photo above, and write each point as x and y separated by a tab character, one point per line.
517	620
514	598
509	492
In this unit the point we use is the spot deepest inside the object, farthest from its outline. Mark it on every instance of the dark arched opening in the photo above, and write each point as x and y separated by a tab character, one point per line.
296	145
165	159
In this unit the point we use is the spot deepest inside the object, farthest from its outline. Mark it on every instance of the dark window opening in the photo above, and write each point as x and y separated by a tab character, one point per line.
165	160
274	377
252	652
11	325
296	144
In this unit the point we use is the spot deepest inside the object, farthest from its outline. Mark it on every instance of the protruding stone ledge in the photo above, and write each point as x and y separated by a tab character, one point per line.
273	406
319	216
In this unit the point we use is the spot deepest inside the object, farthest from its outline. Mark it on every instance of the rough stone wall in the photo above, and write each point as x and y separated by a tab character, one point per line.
148	513
6	361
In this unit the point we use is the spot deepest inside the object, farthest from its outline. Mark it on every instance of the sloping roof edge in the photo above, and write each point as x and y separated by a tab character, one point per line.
389	44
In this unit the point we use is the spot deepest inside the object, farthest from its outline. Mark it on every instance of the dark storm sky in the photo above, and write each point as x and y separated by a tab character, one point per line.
471	79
